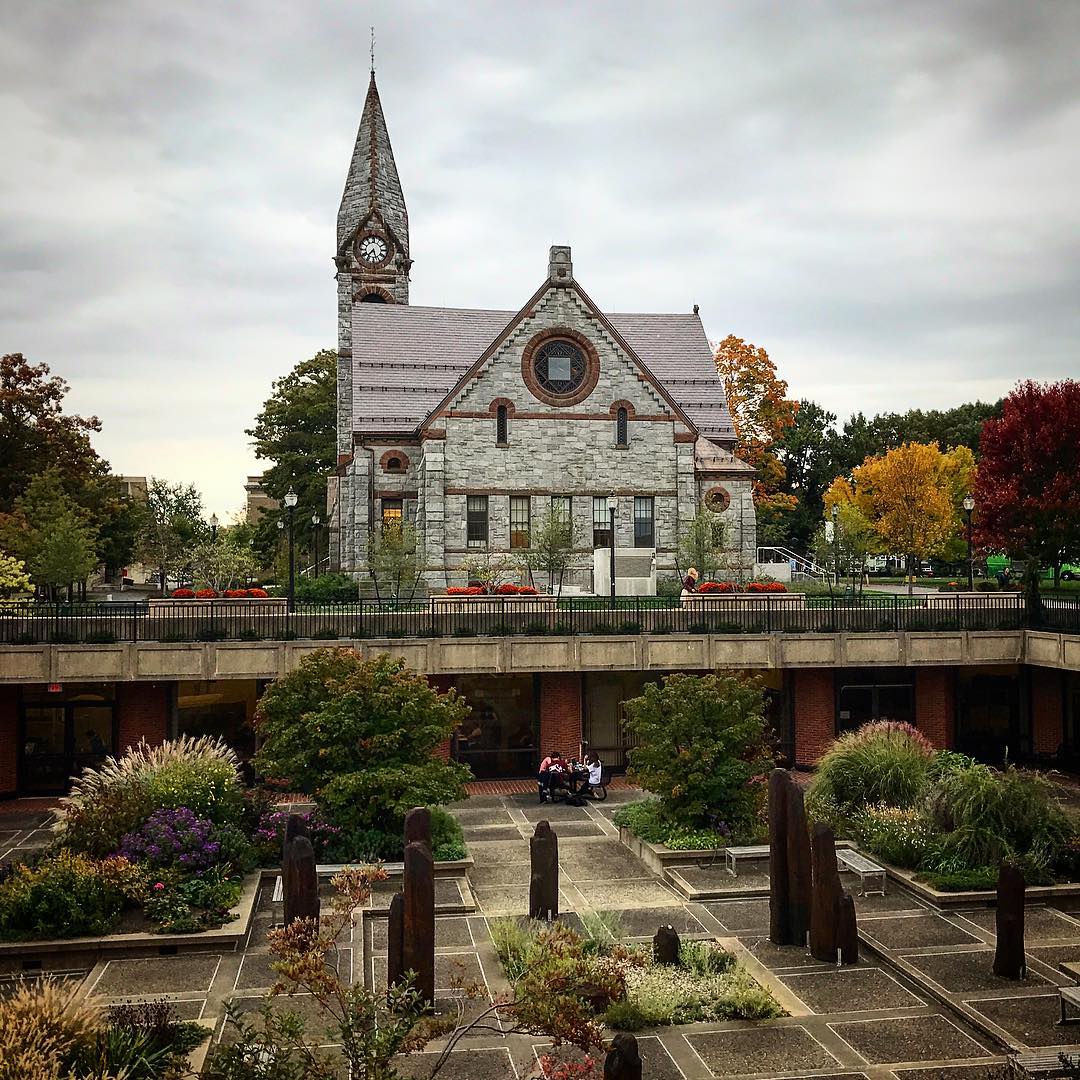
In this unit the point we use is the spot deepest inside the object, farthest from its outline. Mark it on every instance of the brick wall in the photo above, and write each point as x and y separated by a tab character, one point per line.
560	713
142	712
1047	710
9	707
814	701
935	706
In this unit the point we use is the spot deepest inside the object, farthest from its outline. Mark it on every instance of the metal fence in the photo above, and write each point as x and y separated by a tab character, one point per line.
255	620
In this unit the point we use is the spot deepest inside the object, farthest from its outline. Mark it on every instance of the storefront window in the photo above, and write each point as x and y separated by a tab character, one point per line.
61	732
220	709
867	694
499	736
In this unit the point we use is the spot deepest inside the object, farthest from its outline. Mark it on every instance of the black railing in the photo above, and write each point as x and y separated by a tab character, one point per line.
268	620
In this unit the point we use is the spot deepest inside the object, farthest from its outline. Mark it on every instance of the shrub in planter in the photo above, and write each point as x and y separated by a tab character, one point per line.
703	748
328	589
883	762
206	594
183	594
100	637
66	895
363	735
269	834
177	838
904	838
258	594
45	1026
118	796
326	633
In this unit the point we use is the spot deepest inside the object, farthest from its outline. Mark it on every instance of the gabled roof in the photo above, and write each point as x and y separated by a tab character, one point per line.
406	360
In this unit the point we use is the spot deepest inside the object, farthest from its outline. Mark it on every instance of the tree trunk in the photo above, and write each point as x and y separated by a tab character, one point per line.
1032	597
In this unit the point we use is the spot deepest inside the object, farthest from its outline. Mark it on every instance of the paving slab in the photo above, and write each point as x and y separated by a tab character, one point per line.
762	1049
487	1064
472	835
739	915
451	931
895	899
554	812
644	922
1030	1019
852	989
1040	924
715	881
605	896
990	1071
910	1038
499	874
916	931
1055	955
778	957
471	818
191	974
959	972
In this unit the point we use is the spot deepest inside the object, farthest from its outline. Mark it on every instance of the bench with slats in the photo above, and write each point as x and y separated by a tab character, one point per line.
1045	1064
750	851
871	876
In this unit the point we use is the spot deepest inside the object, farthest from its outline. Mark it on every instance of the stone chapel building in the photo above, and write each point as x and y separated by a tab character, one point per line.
476	424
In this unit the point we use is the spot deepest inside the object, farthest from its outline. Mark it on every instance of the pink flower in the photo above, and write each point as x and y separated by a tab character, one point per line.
159	885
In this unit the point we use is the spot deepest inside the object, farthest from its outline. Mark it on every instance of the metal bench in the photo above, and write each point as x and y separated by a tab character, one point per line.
1046	1064
751	851
1070	995
865	869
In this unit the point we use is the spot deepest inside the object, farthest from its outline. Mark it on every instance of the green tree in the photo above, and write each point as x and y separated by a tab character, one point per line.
852	540
297	432
172	524
701	544
13	576
549	550
807	449
224	563
52	534
701	741
362	736
392	559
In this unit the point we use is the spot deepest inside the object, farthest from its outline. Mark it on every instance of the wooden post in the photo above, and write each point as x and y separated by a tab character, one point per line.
1009	960
418	826
665	945
825	901
544	872
300	882
847	930
798	863
418	938
395	940
623	1061
779	899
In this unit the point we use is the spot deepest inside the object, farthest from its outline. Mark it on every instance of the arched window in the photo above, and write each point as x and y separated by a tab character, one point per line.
500	426
372	298
621	437
393	464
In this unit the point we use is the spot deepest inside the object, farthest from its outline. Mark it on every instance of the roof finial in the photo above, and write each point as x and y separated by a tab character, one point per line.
373	52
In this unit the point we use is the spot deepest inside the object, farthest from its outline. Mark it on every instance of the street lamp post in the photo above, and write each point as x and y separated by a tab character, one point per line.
290	501
612	503
213	528
315	540
836	541
969	507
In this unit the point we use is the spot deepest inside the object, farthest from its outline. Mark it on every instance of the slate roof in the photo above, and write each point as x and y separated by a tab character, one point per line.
406	359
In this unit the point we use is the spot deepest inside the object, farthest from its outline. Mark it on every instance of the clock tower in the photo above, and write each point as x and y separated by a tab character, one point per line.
372	256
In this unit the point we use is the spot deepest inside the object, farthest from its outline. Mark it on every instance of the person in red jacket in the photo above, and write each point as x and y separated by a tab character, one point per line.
552	772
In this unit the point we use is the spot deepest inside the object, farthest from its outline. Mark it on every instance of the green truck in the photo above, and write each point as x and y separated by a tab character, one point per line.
997	564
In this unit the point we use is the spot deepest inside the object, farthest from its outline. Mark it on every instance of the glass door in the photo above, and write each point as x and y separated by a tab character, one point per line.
44	765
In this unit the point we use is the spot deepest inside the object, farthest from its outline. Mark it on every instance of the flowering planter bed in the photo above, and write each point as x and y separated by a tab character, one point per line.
248	605
495	603
16	955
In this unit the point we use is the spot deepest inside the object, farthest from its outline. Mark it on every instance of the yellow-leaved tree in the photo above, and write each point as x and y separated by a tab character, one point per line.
911	497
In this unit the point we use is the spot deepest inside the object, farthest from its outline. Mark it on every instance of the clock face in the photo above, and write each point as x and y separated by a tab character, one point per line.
372	250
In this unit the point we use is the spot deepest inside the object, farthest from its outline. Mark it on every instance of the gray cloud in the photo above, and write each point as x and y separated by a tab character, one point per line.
882	195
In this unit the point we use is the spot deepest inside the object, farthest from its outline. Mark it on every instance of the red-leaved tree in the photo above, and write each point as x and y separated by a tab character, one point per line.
1028	481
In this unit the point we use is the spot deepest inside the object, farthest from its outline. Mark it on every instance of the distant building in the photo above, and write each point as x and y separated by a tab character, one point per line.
133	487
258	501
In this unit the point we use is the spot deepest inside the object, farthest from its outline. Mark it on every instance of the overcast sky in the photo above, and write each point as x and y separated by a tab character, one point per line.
883	195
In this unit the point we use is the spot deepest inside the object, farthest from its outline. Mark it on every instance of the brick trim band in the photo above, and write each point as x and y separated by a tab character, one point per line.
394	455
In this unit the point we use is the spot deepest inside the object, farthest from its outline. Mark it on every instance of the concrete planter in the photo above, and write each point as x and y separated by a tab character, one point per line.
793	599
495	603
259	605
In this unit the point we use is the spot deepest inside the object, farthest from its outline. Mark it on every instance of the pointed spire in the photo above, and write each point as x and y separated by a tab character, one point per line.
372	184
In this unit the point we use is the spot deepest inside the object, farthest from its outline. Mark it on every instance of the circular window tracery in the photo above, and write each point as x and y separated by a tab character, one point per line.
559	367
717	499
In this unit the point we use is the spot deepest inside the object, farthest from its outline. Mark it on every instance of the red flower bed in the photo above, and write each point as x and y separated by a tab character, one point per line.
206	594
465	590
258	594
716	587
766	586
183	594
236	594
527	590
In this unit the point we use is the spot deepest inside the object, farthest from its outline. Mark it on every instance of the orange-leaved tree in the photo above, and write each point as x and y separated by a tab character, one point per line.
911	496
761	412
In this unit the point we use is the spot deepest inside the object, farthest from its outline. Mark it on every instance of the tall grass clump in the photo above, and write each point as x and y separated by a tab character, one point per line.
988	816
884	762
44	1027
116	797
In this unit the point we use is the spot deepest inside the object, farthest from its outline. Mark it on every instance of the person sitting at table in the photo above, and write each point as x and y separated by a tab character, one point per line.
550	769
594	773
